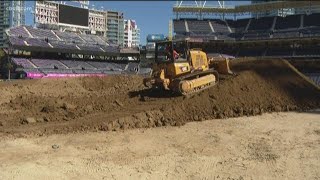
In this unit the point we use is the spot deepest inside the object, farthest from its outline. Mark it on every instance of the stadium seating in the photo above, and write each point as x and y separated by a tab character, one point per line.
40	33
110	49
238	26
90	48
18	31
232	25
203	35
56	71
223	36
315	77
264	23
59	40
132	67
250	29
48	63
48	41
91	39
63	45
256	35
219	26
77	64
118	66
106	66
100	65
288	22
251	52
39	68
179	26
23	62
144	71
196	26
279	52
308	51
236	36
87	71
68	36
17	41
285	34
36	42
310	32
31	70
312	20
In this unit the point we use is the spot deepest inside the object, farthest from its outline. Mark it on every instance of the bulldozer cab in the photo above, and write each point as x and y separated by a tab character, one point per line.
171	51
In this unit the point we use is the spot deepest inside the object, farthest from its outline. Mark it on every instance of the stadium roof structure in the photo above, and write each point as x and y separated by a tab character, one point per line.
180	8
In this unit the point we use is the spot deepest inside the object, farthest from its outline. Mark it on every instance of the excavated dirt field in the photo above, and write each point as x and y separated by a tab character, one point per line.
272	146
59	106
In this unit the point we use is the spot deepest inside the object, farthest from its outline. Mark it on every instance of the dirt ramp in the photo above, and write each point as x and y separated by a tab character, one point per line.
260	86
121	102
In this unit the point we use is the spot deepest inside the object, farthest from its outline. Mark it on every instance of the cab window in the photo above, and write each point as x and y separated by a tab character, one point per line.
179	49
164	52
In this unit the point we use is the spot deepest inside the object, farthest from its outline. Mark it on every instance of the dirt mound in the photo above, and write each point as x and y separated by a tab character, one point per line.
121	102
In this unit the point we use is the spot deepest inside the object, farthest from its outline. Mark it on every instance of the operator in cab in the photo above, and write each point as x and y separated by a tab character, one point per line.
175	53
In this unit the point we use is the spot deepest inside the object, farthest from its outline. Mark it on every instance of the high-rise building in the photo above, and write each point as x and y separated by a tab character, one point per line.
12	13
131	34
4	20
17	13
115	27
109	24
285	11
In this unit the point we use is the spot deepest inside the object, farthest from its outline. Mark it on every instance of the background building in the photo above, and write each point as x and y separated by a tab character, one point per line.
53	15
115	27
285	11
12	13
131	33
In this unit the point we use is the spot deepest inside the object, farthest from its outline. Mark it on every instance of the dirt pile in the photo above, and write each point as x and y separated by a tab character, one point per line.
121	102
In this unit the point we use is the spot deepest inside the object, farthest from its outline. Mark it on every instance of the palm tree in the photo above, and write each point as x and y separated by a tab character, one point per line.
9	66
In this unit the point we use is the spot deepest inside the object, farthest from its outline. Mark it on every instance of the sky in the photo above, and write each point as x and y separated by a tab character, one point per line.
152	17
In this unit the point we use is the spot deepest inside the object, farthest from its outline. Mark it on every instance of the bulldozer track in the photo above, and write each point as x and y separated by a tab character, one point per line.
201	88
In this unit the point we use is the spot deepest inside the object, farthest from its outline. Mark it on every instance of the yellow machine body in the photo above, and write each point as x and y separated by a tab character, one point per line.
199	60
185	75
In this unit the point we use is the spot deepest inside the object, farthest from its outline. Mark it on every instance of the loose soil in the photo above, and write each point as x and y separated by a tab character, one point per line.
271	146
59	106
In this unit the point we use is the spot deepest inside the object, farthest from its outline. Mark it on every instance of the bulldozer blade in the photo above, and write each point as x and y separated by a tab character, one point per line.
223	67
148	82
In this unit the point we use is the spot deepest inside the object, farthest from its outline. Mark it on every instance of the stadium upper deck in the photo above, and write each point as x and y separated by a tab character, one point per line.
294	26
290	36
181	9
29	38
38	53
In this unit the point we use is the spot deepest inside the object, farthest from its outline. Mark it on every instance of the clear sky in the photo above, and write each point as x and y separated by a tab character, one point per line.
152	16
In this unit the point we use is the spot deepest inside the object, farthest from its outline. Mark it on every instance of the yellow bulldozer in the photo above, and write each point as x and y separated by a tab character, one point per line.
184	70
